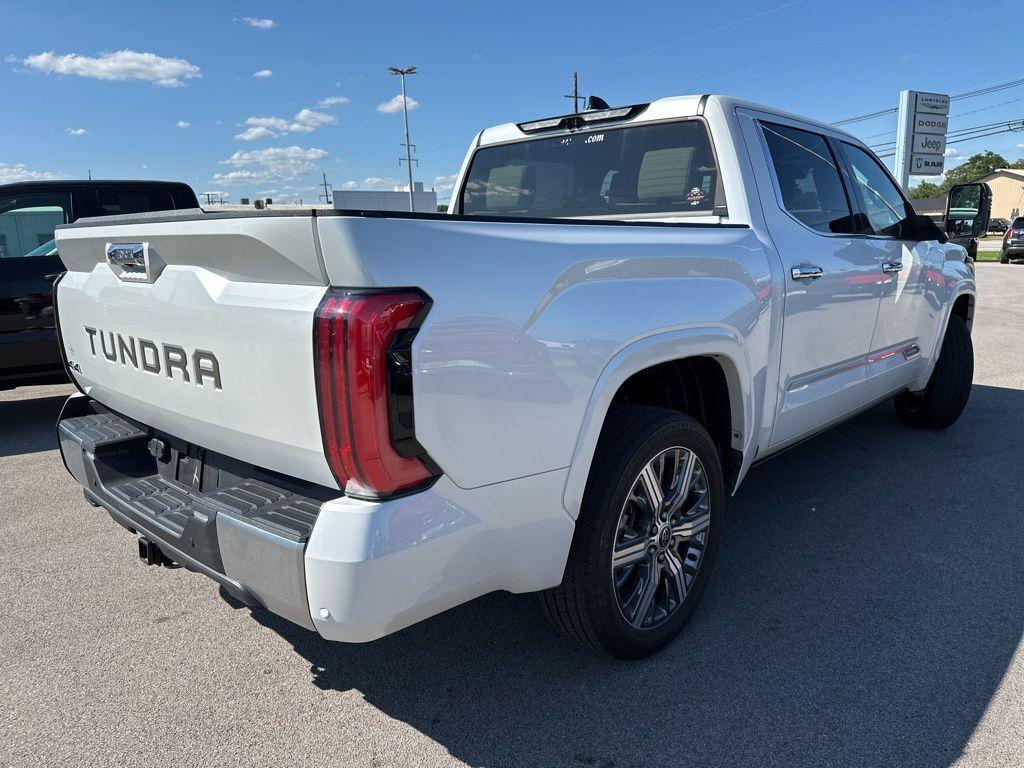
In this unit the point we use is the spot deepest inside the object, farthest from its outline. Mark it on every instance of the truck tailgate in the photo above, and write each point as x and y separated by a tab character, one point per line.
214	344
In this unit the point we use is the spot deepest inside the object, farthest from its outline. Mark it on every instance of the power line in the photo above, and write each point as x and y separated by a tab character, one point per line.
965	95
959	132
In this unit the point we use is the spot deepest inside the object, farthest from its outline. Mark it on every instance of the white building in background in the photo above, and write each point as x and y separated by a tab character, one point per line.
425	201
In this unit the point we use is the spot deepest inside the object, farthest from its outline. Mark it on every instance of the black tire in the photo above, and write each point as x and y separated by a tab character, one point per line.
944	399
1004	259
585	606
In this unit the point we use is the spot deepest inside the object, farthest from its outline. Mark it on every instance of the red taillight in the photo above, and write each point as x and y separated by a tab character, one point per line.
352	335
1009	233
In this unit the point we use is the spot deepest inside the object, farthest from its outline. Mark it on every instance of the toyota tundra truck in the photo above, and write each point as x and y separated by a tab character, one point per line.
358	419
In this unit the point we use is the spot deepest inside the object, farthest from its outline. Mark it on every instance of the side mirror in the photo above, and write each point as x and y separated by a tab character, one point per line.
924	228
968	207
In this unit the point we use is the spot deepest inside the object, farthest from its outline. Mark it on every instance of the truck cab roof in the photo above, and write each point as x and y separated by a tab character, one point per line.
54	184
668	108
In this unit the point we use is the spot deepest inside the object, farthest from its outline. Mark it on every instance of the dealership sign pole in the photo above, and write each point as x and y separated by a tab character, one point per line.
921	135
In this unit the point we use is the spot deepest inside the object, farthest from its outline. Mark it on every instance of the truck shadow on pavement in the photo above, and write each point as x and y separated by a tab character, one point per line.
29	425
867	601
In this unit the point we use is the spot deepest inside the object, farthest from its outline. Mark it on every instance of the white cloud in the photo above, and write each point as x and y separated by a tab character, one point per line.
951	152
258	23
374	183
305	121
263	73
183	124
120	65
254	133
395	105
310	119
75	131
268	166
332	101
444	186
20	172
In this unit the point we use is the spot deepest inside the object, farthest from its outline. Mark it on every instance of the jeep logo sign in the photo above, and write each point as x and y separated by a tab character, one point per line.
929	144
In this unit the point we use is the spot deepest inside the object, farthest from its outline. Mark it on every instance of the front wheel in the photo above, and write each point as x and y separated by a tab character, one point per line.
646	535
940	404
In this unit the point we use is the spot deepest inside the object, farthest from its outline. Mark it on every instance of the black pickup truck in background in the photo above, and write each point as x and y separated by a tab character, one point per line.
29	263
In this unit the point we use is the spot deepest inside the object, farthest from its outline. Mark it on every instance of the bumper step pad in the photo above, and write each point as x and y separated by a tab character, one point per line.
132	476
99	430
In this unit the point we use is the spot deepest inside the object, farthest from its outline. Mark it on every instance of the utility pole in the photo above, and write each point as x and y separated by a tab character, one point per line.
327	190
90	174
405	111
575	95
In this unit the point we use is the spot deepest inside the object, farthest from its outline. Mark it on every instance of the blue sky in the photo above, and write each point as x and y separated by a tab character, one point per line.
169	90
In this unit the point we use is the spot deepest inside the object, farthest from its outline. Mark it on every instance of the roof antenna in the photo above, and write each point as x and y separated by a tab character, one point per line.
596	102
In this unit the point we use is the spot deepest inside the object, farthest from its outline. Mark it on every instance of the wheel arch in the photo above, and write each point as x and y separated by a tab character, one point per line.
961	303
963	306
716	345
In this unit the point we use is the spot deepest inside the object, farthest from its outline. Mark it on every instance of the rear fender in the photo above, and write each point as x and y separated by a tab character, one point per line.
719	342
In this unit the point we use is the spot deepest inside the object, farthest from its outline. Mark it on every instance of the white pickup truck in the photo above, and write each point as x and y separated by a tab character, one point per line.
360	419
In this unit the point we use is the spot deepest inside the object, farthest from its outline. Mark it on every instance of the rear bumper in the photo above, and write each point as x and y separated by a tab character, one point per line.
242	528
351	570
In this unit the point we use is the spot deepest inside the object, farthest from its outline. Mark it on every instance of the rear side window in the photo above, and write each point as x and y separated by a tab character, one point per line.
619	172
113	201
808	177
27	222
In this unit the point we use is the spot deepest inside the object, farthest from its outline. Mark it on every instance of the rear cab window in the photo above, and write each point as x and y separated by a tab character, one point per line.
661	169
27	222
114	201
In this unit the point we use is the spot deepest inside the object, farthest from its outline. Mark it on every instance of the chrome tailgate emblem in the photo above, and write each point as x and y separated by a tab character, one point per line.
130	261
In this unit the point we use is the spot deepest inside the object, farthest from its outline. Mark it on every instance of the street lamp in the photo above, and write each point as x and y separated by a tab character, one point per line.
405	111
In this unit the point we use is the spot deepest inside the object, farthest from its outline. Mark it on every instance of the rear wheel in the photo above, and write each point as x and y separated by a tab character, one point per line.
940	404
1004	258
646	536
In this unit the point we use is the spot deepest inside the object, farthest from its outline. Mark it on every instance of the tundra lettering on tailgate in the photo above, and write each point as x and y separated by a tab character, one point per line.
152	357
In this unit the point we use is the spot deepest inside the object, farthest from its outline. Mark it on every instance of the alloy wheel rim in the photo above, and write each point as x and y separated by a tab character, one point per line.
660	538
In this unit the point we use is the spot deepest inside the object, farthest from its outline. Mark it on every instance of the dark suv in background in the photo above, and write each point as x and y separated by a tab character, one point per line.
998	225
1013	241
29	262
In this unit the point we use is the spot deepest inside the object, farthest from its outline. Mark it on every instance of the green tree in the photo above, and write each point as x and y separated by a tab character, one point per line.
974	167
925	189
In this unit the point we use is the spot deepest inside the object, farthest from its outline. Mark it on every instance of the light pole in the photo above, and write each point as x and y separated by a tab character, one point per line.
405	111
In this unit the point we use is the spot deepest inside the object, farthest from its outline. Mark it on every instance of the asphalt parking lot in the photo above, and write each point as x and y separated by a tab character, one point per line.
867	609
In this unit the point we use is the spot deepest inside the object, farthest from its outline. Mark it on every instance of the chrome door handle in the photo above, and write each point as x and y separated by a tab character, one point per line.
892	266
807	272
